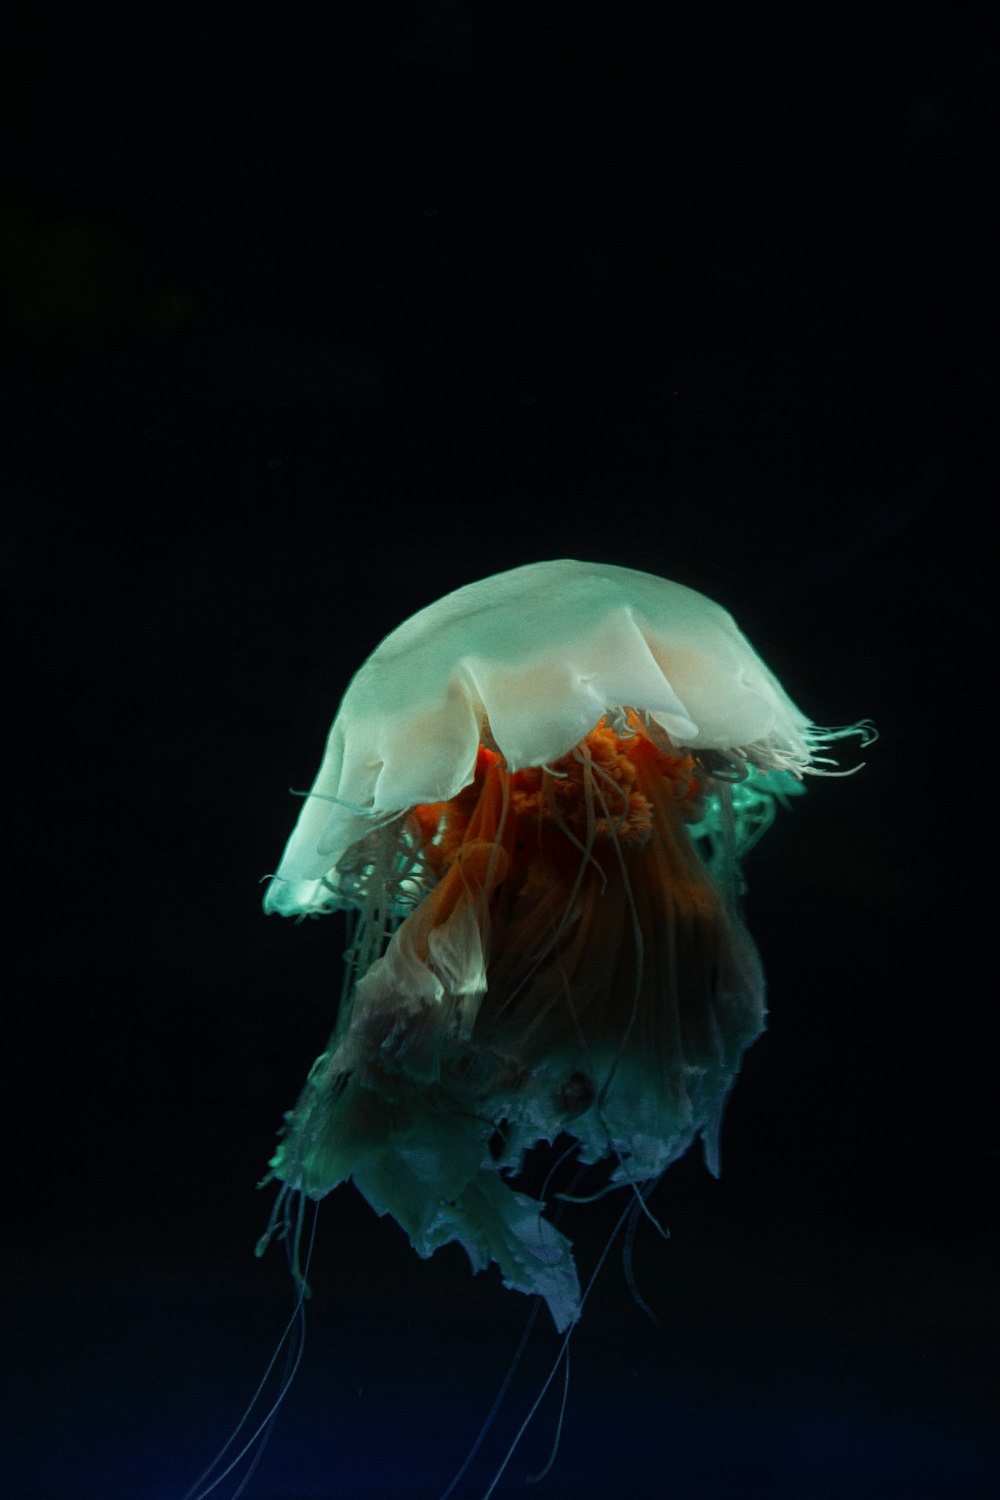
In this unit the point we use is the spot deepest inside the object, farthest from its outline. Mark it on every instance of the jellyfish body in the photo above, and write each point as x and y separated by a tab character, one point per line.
534	799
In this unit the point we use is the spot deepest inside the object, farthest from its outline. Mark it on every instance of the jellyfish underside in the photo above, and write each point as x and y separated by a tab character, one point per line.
554	950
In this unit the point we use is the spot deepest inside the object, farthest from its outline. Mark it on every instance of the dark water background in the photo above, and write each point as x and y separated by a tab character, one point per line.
313	316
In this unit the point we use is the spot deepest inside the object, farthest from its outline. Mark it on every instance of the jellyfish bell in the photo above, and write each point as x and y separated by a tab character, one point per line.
539	654
534	799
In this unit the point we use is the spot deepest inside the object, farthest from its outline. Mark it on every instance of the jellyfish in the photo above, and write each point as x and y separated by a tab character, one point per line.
533	804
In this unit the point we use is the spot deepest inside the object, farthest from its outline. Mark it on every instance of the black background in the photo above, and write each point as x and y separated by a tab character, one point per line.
315	313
